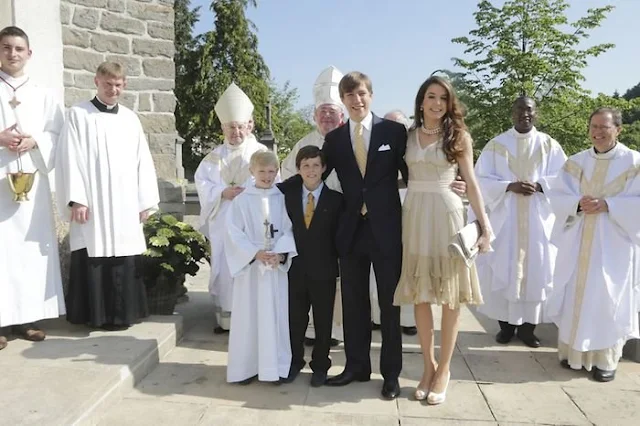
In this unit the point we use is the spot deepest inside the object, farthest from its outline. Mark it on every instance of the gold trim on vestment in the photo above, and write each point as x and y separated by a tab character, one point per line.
523	166
573	169
594	187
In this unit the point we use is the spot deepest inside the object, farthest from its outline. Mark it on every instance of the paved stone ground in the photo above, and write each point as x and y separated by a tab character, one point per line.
491	384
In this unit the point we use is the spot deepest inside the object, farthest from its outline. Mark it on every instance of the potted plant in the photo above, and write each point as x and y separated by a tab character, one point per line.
174	249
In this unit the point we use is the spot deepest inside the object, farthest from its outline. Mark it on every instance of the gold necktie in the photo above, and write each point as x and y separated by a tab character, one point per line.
360	152
308	211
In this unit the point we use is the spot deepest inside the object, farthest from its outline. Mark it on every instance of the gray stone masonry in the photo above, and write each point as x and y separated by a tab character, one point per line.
139	35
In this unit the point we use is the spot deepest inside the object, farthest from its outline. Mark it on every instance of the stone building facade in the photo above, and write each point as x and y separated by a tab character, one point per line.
70	38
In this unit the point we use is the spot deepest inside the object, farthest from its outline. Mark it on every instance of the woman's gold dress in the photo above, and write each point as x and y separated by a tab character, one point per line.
431	215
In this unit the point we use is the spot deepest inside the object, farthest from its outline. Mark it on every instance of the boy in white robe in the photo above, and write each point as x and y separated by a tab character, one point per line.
30	122
517	277
596	295
220	177
106	181
259	246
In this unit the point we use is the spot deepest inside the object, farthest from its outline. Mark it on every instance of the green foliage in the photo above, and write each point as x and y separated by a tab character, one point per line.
523	48
174	249
205	66
633	114
288	125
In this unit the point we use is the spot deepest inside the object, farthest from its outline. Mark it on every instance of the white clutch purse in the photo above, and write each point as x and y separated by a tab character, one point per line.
463	243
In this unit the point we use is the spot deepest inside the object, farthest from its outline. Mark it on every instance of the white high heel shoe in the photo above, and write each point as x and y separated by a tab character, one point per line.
421	394
438	398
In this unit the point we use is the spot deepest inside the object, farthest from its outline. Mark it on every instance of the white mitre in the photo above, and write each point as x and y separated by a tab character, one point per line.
325	89
234	105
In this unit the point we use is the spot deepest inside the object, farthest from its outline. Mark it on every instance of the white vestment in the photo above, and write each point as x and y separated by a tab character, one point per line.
30	283
259	340
407	316
596	295
103	162
517	277
223	167
289	169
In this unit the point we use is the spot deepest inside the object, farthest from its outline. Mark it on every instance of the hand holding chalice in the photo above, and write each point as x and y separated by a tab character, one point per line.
20	182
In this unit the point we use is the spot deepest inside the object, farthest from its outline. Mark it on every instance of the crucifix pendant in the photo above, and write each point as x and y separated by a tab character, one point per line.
14	102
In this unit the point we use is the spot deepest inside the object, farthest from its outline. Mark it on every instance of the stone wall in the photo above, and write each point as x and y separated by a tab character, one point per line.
138	34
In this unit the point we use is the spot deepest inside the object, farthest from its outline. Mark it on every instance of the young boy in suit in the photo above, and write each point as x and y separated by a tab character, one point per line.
314	210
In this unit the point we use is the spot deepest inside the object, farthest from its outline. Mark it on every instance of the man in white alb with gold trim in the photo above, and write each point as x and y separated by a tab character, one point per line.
328	115
517	277
596	296
220	177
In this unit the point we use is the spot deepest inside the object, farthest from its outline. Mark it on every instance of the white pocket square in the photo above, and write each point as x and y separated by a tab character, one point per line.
384	148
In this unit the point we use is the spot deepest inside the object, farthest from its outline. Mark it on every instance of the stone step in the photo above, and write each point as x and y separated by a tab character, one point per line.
78	373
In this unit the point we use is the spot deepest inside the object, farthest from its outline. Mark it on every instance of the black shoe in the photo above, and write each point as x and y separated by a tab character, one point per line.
308	341
375	326
318	379
529	339
565	364
603	375
409	331
247	381
220	330
334	342
293	373
347	377
114	327
390	389
503	337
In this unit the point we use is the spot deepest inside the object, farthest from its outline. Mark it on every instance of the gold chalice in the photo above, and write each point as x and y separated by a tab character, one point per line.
21	183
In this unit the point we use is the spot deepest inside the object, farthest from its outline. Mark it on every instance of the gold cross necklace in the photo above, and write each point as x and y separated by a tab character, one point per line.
14	102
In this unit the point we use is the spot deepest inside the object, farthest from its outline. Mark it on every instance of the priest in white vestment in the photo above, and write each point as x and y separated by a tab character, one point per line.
596	295
517	277
30	122
220	177
328	115
259	245
106	181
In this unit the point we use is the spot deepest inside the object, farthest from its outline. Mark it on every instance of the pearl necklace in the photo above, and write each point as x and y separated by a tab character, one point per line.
433	131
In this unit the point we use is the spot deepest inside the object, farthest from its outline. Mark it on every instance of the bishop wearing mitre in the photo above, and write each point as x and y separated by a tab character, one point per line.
221	176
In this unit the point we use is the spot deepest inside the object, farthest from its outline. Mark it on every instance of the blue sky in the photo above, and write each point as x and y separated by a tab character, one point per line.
398	43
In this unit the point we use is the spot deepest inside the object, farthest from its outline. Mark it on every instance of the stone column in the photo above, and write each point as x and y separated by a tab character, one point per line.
6	13
45	66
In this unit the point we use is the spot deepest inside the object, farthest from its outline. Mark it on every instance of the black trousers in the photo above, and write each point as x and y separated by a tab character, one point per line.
305	292
356	306
105	290
525	329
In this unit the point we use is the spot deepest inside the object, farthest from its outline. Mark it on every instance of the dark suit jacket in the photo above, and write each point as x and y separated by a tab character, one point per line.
317	253
379	187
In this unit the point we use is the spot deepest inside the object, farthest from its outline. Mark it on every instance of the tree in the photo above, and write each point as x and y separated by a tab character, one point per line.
186	58
288	125
208	63
633	114
522	48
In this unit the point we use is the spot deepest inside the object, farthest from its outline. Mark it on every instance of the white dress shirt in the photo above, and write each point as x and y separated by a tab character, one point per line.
367	123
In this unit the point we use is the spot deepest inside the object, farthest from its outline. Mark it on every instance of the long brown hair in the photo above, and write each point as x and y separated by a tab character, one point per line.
453	126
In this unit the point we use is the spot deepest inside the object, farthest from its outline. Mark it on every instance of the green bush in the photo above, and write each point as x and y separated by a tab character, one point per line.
174	249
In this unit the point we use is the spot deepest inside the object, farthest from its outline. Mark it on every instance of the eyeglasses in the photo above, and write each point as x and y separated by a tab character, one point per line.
240	127
597	127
